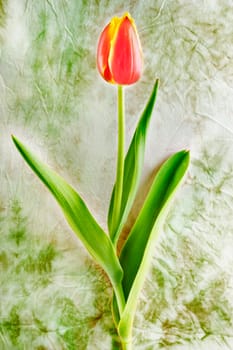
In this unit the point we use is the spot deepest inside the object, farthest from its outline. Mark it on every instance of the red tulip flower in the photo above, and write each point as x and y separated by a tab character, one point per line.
119	54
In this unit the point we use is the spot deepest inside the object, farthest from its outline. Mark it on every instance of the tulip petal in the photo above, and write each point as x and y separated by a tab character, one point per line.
103	53
125	58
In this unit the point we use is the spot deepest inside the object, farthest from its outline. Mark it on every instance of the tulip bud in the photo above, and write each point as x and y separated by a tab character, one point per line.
119	54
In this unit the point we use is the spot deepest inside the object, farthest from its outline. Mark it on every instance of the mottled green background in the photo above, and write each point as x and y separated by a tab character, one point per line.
52	296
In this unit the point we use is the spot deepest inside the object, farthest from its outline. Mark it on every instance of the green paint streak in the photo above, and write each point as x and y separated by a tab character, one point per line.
73	320
11	327
18	229
45	258
3	4
39	262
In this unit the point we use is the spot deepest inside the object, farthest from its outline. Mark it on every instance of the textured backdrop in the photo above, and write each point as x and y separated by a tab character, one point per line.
52	296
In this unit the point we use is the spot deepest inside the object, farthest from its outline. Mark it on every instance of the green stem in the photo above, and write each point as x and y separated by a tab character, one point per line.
126	346
120	298
120	344
125	335
120	161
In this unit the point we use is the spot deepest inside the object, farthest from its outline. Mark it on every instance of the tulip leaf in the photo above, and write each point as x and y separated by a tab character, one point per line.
132	168
77	215
138	250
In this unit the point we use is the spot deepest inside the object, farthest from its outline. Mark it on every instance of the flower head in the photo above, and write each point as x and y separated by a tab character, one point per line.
119	54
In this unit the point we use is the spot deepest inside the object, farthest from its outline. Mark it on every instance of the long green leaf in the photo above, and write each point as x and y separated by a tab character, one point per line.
132	168
139	248
78	216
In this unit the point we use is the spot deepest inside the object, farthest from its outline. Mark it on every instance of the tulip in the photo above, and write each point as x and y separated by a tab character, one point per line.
119	55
